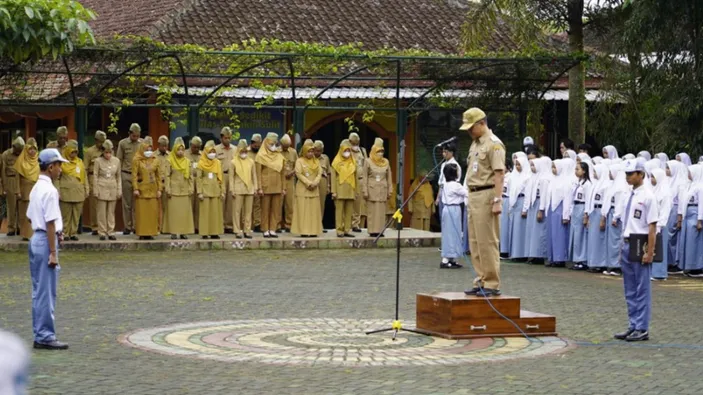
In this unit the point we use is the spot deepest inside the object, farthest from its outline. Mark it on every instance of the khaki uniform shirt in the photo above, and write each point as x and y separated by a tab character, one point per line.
377	182
290	158
107	180
307	177
89	157
343	191
486	155
8	174
361	158
176	183
238	186
194	159
146	178
125	152
271	182
71	190
225	155
164	166
209	186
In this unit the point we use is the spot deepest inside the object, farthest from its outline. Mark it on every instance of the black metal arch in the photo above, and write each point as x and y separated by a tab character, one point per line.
340	79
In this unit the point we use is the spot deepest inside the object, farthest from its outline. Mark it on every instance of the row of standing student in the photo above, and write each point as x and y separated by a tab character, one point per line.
570	210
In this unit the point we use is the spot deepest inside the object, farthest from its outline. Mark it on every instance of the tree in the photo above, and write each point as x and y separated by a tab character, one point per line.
33	29
530	20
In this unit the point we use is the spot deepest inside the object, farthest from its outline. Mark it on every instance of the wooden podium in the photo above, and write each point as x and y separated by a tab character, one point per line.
454	315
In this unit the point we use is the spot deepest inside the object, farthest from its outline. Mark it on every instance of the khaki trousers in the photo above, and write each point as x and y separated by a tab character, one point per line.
195	204
163	227
25	227
71	215
270	212
11	199
127	199
420	223
343	209
242	213
288	204
106	217
256	213
356	215
227	205
93	206
484	235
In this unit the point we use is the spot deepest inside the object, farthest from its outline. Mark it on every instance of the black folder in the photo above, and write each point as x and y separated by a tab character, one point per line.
638	246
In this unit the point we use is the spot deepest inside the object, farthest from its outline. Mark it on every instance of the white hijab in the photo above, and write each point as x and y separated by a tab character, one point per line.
563	182
571	154
611	151
684	158
651	165
519	181
661	190
629	157
600	185
543	166
696	183
598	160
585	158
644	154
679	177
619	185
663	158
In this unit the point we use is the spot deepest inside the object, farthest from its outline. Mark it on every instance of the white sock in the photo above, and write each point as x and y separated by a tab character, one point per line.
266	233
445	260
272	233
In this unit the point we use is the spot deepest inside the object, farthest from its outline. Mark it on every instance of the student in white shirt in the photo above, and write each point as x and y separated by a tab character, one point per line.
448	153
44	216
452	196
690	217
640	217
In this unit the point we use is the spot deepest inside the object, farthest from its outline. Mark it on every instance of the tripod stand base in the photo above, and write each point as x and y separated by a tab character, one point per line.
395	331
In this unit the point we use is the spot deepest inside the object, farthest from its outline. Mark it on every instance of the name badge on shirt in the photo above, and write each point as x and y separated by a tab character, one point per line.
378	178
505	190
597	196
612	199
307	174
78	170
637	214
538	193
210	175
195	165
579	196
692	200
474	168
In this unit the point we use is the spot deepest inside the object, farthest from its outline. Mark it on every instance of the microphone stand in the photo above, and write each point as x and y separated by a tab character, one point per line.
396	326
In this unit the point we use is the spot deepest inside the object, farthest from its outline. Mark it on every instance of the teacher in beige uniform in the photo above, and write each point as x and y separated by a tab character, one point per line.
107	189
485	181
126	149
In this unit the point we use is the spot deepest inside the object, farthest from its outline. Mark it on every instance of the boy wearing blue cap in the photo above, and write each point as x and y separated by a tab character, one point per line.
639	218
44	216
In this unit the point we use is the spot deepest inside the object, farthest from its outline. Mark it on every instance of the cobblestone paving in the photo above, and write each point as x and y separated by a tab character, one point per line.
105	296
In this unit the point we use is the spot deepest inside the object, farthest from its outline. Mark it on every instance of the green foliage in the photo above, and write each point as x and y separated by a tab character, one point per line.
33	29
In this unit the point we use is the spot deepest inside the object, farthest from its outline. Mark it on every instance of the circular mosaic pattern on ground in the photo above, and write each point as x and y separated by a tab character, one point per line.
340	342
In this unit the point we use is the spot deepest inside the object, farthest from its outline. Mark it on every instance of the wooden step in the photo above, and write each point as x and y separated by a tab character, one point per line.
454	315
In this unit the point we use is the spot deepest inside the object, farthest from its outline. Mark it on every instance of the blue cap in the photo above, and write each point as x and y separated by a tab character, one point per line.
50	155
633	165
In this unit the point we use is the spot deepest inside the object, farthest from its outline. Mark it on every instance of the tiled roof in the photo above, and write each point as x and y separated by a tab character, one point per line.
433	25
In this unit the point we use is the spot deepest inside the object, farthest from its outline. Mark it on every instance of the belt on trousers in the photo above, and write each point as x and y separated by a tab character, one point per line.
576	203
693	205
42	231
598	206
505	196
225	172
125	171
483	188
626	240
521	195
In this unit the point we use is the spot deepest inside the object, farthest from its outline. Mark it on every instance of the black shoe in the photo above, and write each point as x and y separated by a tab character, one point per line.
338	235
10	234
324	230
349	235
373	234
112	237
94	233
229	231
102	238
257	229
287	230
248	236
25	239
473	291
356	230
674	270
53	345
623	335
174	237
184	237
204	237
238	236
149	238
490	292
126	232
638	336
216	237
142	237
273	235
74	238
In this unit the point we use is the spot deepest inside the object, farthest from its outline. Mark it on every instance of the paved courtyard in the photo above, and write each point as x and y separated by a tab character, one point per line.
289	322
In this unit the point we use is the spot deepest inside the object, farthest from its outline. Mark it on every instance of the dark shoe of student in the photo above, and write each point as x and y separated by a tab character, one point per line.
174	237
257	229
473	291
287	230
349	235
112	237
273	235
25	239
623	335
248	236
149	238
228	231
184	237
638	336
238	236
373	234
53	345
324	230
74	238
490	292
338	235
216	237
674	270
10	234
446	265
94	233
455	264
205	237
126	232
356	230
102	238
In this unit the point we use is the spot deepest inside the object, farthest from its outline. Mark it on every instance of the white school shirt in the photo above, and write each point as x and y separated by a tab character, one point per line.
643	211
44	205
454	193
695	199
441	171
581	193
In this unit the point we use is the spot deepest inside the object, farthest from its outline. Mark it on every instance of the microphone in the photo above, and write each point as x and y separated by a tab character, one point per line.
450	140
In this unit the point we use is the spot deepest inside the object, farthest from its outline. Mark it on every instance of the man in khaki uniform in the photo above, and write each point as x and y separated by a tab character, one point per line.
485	181
290	157
359	154
89	157
61	139
325	166
125	153
225	153
193	154
162	157
253	150
8	183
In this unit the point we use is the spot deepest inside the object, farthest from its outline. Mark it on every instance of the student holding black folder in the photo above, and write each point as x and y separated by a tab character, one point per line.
639	218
